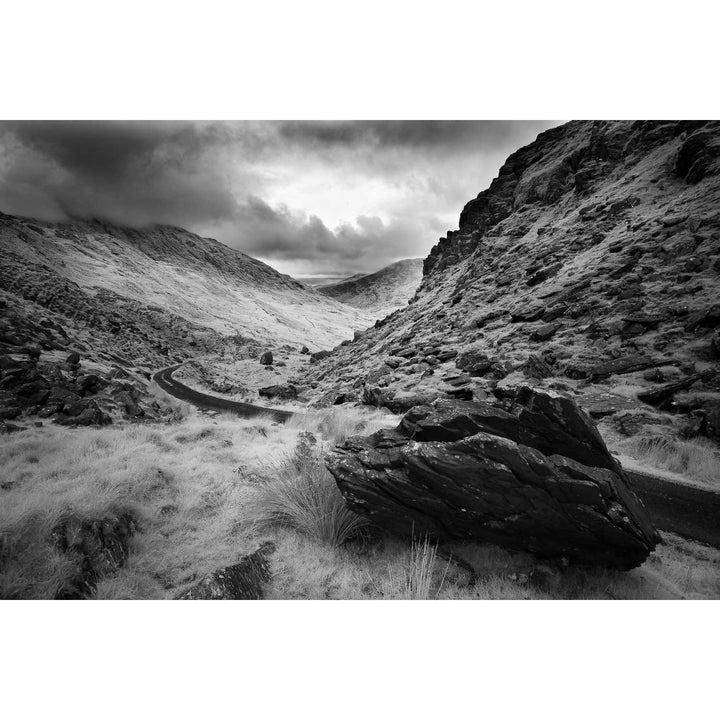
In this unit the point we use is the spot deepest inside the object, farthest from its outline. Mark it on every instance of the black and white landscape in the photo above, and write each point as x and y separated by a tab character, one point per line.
237	362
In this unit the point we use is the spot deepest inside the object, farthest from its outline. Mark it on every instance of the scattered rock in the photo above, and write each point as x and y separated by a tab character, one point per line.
602	404
474	362
662	397
279	392
618	366
544	332
445	355
319	355
266	358
527	313
91	383
33	350
7	428
536	367
345	398
99	547
705	318
673	220
73	358
245	580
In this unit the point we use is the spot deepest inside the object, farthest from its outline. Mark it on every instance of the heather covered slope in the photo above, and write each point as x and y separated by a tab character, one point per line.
381	292
591	264
199	279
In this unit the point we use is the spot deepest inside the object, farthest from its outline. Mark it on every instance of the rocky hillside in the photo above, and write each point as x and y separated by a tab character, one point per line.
199	279
381	292
90	311
591	265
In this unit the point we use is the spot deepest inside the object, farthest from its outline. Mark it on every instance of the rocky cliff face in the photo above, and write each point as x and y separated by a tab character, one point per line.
381	292
591	264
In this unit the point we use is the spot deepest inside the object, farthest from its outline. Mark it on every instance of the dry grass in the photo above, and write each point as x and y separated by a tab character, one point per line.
697	460
194	485
336	424
178	480
416	578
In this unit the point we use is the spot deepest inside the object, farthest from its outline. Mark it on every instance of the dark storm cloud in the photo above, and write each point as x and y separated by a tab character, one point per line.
129	172
421	134
100	149
401	180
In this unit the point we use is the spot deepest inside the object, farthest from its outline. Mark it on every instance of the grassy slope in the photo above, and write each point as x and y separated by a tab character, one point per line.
197	486
197	278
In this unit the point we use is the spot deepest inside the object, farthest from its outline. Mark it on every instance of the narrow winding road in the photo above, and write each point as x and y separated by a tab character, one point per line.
687	511
175	388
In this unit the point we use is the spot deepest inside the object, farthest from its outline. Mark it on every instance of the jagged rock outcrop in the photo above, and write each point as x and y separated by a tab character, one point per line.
534	475
96	547
245	580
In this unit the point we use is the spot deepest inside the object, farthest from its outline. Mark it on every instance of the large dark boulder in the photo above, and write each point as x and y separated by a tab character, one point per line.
534	475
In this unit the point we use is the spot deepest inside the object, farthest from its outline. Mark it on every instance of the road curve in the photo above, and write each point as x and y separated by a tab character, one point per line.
175	388
681	509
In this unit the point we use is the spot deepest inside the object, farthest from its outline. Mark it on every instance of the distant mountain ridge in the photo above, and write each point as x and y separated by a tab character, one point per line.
381	292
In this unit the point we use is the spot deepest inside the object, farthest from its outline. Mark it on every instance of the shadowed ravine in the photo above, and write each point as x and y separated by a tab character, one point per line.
686	511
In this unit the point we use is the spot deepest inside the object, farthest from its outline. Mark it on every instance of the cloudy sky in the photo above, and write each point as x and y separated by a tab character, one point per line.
307	197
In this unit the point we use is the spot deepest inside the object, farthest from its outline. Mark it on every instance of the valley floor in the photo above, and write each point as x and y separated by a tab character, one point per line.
203	491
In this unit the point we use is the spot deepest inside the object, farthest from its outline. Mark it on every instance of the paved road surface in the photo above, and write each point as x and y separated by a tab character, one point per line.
175	388
681	509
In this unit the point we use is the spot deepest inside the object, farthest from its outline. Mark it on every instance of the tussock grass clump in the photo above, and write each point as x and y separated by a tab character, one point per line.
697	459
301	493
416	578
336	424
